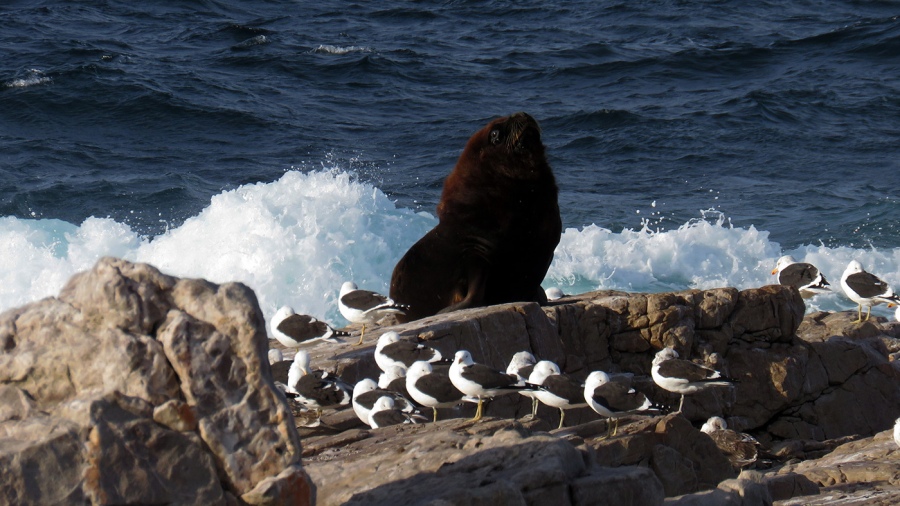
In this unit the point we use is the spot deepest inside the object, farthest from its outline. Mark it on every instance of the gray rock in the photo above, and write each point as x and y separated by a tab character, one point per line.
137	387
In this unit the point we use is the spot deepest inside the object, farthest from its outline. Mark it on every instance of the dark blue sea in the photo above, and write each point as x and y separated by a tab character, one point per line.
292	145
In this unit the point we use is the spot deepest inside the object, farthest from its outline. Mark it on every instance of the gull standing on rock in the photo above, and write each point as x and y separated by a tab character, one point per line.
315	389
683	376
613	398
385	413
393	351
366	393
801	275
866	289
292	329
521	364
365	306
558	391
481	381
431	388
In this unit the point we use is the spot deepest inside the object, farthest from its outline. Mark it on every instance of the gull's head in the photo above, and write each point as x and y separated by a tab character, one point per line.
664	354
853	267
521	359
713	424
782	263
364	385
462	357
383	403
301	359
387	338
419	369
348	287
595	379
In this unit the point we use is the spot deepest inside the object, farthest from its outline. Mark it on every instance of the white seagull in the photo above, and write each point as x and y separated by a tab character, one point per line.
385	413
364	306
481	381
613	398
804	276
521	364
431	388
558	391
683	376
292	329
315	389
866	289
391	351
366	393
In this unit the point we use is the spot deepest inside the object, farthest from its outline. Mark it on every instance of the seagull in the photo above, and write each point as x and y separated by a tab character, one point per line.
364	306
521	364
683	376
613	398
292	329
558	391
315	389
741	449
801	275
478	380
554	293
366	393
392	377
385	413
431	388
393	351
897	432
275	356
866	289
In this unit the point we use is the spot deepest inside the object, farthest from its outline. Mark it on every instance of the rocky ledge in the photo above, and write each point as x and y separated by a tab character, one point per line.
136	387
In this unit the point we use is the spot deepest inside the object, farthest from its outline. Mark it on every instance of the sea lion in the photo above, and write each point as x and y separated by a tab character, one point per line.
498	226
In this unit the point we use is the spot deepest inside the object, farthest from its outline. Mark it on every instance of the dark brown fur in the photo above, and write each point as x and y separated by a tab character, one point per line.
499	225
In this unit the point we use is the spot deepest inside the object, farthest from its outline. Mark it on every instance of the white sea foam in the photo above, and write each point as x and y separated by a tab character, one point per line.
329	49
295	240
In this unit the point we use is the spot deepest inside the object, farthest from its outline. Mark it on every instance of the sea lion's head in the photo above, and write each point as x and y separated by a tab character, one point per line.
510	146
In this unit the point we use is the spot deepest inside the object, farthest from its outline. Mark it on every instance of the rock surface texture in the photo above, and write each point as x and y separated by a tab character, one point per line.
805	386
137	387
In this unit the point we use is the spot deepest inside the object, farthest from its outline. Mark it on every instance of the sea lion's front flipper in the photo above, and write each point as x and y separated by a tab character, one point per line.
470	293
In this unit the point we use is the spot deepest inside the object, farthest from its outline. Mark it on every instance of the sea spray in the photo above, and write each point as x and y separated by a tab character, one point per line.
296	239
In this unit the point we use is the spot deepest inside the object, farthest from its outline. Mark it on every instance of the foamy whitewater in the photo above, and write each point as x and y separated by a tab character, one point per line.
295	240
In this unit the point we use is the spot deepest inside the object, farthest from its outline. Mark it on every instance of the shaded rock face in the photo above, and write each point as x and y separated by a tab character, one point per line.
137	387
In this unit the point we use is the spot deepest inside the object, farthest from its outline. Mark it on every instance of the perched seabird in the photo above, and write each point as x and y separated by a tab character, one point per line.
521	364
366	393
481	381
393	351
554	293
385	413
431	388
558	391
897	432
275	356
613	398
292	329
804	276
394	375
315	389
741	449
364	306
683	376
866	289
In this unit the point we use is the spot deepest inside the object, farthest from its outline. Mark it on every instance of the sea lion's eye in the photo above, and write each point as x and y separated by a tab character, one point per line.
495	136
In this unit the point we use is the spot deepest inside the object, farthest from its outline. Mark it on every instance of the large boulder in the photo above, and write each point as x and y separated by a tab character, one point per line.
137	387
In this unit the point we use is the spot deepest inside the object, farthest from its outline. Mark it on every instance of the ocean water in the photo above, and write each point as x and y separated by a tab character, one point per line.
294	145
